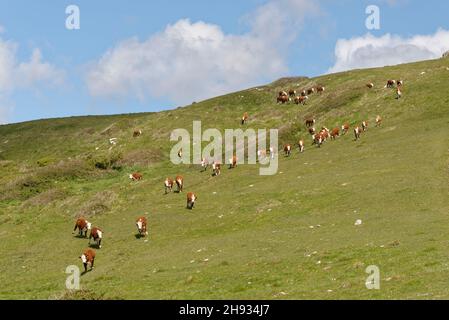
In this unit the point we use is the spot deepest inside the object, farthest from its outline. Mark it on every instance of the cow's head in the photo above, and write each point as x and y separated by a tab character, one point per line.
89	225
139	225
131	176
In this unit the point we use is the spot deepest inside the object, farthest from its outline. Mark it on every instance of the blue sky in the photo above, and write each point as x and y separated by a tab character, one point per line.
135	56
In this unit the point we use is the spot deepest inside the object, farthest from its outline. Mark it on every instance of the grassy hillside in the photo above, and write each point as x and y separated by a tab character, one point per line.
288	236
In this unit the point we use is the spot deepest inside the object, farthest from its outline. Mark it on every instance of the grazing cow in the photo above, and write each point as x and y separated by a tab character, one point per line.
325	134
301	145
364	126
292	93
168	184
97	235
283	99
88	257
244	118
357	133
310	91
233	162
301	100
310	122
135	176
191	198
390	84
141	224
137	133
398	93
204	163
312	131
400	83
179	182
345	128
335	133
378	121
288	150
83	226
216	169
303	93
318	139
320	89
370	85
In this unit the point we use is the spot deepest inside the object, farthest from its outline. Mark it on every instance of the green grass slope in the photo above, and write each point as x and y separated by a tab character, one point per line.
249	236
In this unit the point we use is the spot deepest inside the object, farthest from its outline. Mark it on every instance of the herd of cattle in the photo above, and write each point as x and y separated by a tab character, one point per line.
318	138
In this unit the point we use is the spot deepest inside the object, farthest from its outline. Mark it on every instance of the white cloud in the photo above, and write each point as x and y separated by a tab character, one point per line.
370	51
191	61
22	75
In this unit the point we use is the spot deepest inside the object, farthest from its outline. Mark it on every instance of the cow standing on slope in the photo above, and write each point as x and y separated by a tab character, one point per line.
88	257
216	169
233	162
191	198
135	176
97	235
301	146
168	184
357	133
141	224
179	183
378	121
83	226
244	118
287	150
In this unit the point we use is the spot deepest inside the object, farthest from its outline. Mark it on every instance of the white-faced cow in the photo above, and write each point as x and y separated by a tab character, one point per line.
320	89
335	133
370	85
301	100
390	84
168	184
364	126
83	226
216	169
88	257
345	128
378	121
141	224
287	150
137	133
191	198
233	162
283	99
301	145
135	176
96	234
357	133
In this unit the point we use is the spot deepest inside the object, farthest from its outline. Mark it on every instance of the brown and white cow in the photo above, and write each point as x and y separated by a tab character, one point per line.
301	145
168	184
204	163
83	226
345	128
378	121
364	126
283	94
301	100
357	133
141	224
88	257
390	84
216	169
179	183
310	122
233	162
244	118
320	89
96	234
191	198
282	99
335	133
400	83
312	131
370	85
318	139
310	91
325	134
137	133
398	93
135	176
288	150
292	93
303	93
